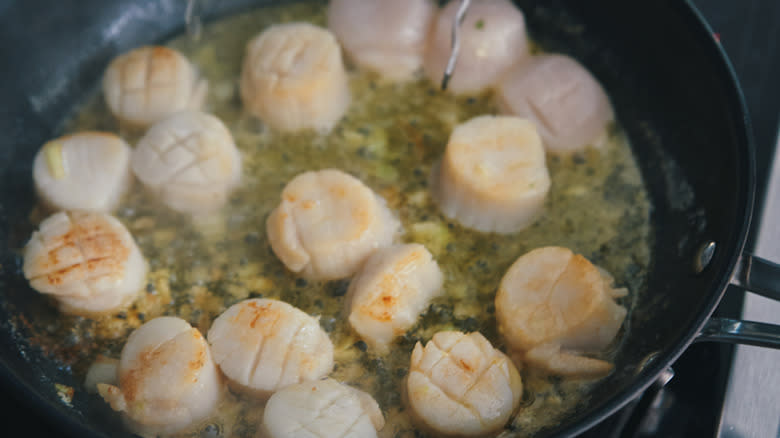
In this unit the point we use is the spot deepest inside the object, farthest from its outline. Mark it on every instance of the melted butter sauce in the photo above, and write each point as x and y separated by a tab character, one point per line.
390	138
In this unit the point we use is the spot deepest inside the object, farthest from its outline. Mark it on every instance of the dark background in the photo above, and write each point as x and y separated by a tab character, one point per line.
749	31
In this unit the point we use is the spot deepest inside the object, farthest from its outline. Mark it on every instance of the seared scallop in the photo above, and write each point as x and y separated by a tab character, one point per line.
149	84
262	345
492	39
493	176
86	171
322	409
190	161
87	261
459	385
293	78
327	224
551	298
167	380
390	291
564	100
384	36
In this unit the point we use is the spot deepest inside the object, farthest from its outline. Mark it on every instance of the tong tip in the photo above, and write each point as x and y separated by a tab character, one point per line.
459	16
444	81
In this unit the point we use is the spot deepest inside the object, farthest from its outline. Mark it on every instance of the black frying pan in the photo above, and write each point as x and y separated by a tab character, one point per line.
673	90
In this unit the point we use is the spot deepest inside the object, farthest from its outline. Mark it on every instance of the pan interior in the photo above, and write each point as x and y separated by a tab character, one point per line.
671	93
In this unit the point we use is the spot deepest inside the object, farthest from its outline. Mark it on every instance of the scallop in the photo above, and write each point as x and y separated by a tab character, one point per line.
167	379
459	385
263	345
384	36
492	39
564	100
87	171
552	299
493	176
390	291
151	83
189	161
293	78
327	224
322	409
87	261
551	358
103	370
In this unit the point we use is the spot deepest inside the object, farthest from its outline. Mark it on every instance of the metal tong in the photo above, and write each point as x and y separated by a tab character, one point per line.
455	47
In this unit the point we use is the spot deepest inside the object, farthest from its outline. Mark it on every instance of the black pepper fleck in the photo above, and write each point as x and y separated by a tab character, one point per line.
340	289
360	345
469	324
363	152
211	431
301	282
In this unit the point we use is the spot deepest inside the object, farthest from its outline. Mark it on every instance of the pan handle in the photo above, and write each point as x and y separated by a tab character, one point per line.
757	275
734	331
761	277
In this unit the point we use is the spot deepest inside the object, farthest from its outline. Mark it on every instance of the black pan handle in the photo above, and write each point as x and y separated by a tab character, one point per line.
759	276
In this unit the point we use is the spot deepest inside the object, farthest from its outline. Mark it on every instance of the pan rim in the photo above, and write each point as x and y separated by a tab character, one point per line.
747	167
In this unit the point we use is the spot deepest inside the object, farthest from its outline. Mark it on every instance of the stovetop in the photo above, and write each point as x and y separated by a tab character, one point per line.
714	385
